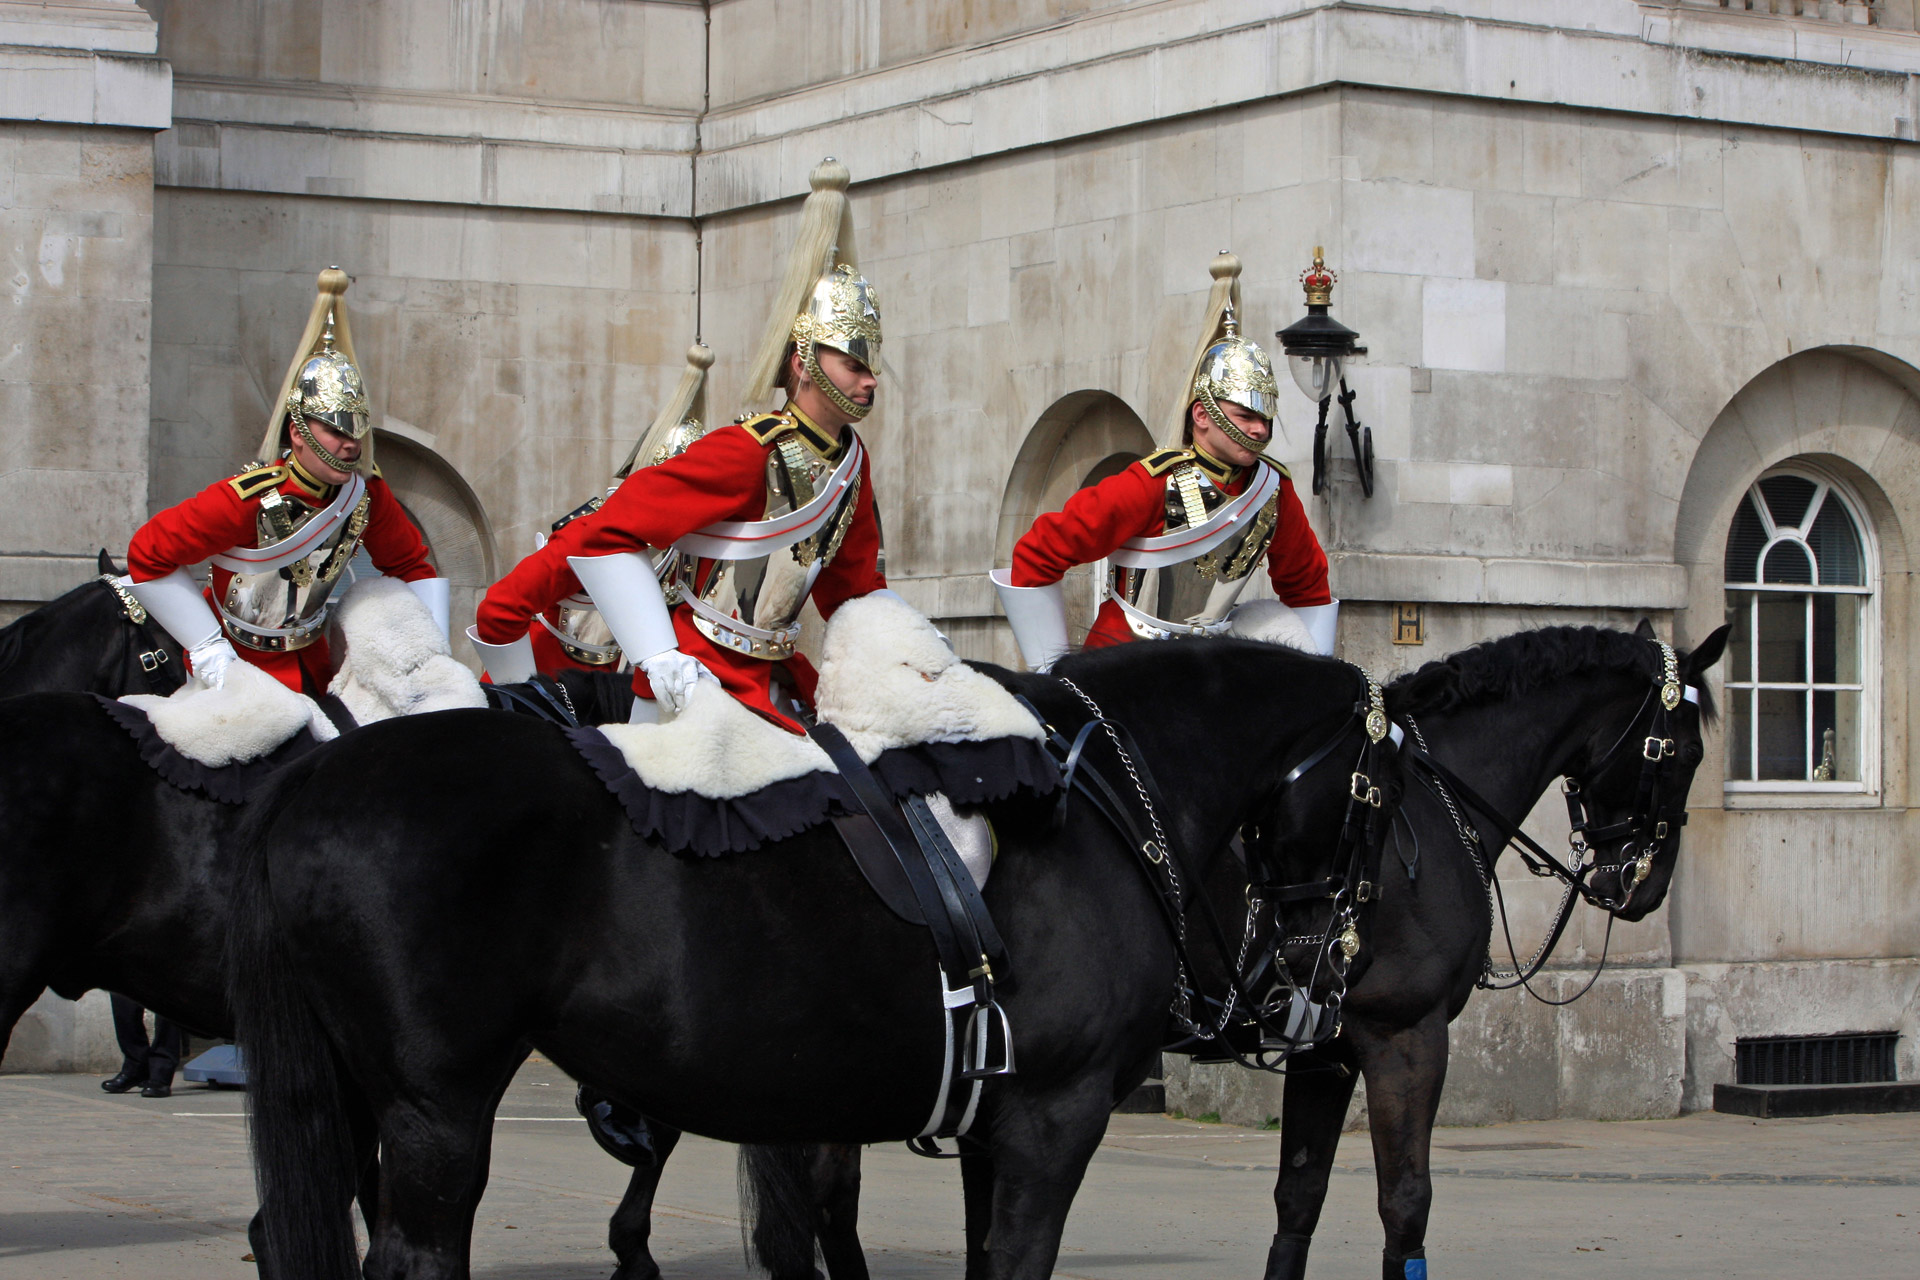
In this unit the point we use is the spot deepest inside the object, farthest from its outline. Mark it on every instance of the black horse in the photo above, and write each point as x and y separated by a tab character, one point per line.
1505	718
486	896
94	639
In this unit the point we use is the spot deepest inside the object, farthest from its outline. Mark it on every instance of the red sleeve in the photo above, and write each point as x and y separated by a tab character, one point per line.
1295	561
855	568
393	544
203	526
1092	524
722	476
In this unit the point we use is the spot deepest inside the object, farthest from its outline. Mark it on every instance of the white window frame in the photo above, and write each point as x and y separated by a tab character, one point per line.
1868	787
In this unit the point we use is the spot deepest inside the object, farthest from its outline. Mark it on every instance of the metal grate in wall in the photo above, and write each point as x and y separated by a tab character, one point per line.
1849	1058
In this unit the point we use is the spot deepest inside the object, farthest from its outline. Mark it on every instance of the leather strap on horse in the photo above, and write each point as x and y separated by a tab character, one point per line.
963	934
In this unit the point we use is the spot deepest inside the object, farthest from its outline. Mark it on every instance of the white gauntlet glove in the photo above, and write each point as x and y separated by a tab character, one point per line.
673	675
211	660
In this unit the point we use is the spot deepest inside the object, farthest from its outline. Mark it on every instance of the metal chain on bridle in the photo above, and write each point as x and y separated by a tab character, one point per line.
1647	829
1283	1027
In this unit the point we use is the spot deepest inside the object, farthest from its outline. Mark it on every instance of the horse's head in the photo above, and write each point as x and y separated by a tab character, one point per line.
94	639
1628	798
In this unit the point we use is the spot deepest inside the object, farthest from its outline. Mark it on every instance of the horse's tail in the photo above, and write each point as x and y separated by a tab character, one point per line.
776	1209
303	1150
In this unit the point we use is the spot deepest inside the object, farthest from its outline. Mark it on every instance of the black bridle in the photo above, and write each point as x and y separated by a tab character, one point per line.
1649	829
147	650
1284	1012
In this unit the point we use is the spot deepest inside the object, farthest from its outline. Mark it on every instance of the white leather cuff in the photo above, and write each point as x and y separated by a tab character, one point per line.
433	593
627	593
1323	622
176	603
1038	616
505	663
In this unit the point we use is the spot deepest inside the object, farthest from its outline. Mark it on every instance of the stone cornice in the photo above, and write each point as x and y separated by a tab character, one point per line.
1122	69
71	86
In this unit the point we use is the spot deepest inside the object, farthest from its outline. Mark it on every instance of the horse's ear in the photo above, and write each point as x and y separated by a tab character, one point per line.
1645	630
106	563
1701	660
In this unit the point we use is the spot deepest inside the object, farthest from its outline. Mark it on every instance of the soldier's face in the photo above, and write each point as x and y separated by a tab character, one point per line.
337	443
855	380
1215	441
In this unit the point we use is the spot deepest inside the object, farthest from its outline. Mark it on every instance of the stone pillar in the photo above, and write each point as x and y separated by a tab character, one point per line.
81	96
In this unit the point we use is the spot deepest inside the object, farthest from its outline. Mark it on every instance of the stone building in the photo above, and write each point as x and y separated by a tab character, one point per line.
1640	284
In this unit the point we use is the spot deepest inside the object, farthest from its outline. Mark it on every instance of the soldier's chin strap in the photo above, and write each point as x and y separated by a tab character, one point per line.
1225	424
320	451
810	361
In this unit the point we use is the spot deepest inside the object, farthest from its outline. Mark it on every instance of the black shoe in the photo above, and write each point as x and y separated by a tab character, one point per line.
120	1083
157	1091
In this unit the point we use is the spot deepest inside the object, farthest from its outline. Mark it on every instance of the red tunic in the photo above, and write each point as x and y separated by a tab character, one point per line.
721	476
1133	504
218	518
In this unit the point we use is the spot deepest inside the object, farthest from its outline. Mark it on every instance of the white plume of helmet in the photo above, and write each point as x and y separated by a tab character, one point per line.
1225	367
681	420
823	300
323	381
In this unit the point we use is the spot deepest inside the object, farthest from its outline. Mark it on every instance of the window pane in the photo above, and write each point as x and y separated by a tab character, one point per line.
1836	639
1836	545
1740	735
1740	642
1787	563
1744	543
1783	637
1783	734
1787	498
1836	736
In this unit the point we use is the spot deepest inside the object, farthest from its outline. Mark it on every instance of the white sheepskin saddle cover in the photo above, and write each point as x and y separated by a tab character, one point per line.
887	680
1271	622
397	663
249	715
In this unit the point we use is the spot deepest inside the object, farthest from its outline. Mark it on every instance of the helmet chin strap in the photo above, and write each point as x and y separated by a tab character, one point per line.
320	451
1225	424
810	361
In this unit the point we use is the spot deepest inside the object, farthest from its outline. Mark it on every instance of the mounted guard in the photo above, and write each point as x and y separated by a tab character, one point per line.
571	635
765	513
1183	528
281	531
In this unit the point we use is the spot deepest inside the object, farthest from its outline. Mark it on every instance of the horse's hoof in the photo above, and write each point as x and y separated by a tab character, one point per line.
1287	1259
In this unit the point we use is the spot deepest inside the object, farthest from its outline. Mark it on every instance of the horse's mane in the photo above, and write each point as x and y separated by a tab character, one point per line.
1521	663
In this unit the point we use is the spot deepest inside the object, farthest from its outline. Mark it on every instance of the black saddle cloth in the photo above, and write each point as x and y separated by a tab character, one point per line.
228	784
967	773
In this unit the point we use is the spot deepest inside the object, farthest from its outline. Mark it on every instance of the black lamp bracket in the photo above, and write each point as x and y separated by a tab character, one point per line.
1361	438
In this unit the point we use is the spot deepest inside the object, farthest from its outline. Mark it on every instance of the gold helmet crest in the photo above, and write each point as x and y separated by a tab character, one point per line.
823	300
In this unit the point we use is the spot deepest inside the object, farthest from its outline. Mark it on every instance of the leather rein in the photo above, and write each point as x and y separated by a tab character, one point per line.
1286	1017
1651	826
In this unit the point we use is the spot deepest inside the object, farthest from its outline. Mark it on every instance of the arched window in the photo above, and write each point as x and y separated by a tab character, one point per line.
1800	662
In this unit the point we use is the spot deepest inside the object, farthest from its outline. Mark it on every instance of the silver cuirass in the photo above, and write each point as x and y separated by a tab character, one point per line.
763	570
1186	580
283	608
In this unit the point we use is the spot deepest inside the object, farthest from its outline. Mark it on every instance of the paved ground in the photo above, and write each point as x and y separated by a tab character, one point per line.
93	1186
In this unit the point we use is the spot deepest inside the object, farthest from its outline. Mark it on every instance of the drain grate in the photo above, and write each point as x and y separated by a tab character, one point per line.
1848	1058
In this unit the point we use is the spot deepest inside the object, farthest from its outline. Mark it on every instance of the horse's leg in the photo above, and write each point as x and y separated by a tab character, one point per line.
976	1184
435	1151
1405	1069
1041	1146
632	1223
1319	1087
836	1209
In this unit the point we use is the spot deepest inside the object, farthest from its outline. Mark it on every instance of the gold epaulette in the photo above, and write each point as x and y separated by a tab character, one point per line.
763	427
1281	467
257	478
1158	464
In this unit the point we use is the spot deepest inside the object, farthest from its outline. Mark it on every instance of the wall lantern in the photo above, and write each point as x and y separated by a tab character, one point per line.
1318	348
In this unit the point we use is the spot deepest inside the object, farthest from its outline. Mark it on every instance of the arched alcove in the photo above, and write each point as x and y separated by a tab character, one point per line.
448	514
1080	440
